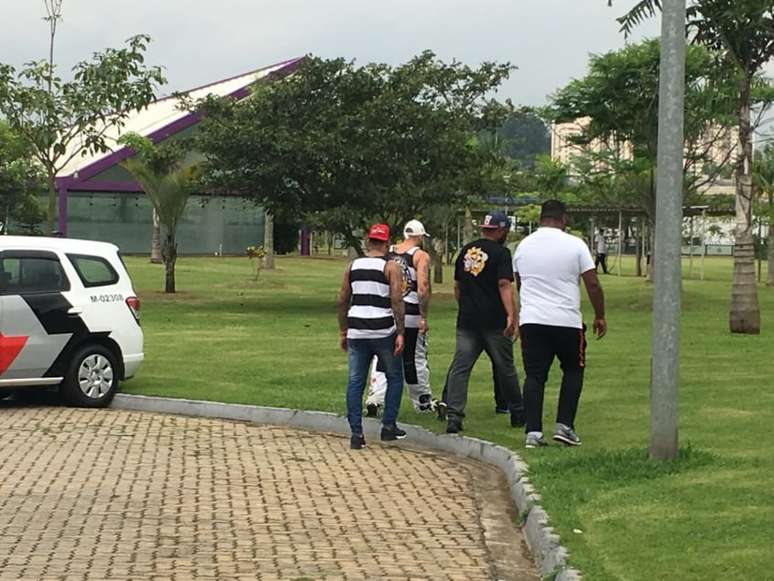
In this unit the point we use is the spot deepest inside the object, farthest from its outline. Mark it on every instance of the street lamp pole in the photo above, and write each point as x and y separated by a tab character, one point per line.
667	267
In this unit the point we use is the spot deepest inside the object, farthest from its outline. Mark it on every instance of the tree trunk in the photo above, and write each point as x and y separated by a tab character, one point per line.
651	254
437	255
467	228
169	256
640	241
744	316
355	245
770	278
156	240
51	212
268	241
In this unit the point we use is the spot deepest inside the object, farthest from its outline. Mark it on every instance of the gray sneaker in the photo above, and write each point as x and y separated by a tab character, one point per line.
535	440
566	435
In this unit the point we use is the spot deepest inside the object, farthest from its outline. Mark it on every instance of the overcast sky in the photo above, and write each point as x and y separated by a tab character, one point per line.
200	41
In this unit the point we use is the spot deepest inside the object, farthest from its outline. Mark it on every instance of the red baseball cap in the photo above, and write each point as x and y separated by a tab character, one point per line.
379	232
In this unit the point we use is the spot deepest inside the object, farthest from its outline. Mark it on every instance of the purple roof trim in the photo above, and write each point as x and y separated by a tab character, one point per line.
116	157
226	80
73	185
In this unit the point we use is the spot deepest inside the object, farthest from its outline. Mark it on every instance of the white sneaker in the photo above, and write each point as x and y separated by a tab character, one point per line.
535	440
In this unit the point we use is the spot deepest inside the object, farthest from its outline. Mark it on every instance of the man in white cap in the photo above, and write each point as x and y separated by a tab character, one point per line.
414	263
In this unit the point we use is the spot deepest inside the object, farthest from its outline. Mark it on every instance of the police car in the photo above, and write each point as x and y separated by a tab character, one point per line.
68	317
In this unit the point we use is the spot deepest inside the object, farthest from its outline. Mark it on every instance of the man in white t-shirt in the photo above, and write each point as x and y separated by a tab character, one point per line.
548	266
601	245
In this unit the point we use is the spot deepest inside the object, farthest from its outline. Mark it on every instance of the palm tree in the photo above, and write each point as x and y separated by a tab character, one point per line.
763	174
743	31
168	184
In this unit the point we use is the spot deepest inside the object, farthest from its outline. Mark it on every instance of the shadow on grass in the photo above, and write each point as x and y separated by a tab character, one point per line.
627	465
279	305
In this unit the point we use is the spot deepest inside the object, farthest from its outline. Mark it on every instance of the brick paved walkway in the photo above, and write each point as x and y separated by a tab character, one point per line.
126	495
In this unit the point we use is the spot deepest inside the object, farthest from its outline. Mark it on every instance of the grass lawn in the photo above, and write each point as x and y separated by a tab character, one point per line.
708	516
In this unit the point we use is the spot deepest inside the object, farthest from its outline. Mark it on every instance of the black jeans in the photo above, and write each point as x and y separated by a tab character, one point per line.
539	345
601	259
501	403
470	344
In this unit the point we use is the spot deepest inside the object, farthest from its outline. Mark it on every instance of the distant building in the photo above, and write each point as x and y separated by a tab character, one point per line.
720	143
99	200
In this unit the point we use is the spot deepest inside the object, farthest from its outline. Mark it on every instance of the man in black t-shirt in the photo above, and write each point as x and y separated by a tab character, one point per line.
486	320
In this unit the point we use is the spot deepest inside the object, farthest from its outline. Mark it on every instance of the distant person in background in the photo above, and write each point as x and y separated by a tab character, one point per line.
371	321
486	320
600	244
548	266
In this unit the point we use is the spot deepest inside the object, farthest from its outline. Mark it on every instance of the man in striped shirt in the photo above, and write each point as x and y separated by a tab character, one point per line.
371	321
414	264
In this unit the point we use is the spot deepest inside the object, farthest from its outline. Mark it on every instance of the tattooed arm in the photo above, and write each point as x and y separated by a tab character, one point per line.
422	266
342	306
396	300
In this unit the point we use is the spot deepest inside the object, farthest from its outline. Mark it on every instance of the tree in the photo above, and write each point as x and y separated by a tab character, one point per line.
358	143
618	145
168	182
550	177
72	118
53	17
525	137
743	32
763	174
20	181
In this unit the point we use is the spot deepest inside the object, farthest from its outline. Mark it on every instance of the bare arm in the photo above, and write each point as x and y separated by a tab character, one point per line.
342	301
597	298
506	296
342	306
422	266
396	296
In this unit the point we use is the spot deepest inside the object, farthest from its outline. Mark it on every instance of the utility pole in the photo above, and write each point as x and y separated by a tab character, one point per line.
665	362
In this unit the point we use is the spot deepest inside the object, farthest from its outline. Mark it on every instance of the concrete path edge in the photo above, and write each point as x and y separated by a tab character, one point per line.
543	543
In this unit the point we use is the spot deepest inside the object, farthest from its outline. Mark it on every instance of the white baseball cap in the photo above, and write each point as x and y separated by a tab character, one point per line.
414	228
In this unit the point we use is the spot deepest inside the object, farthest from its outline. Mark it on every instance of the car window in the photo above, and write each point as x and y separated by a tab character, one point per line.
31	274
93	270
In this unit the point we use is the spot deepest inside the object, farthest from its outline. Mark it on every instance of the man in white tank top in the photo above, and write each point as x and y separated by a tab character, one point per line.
371	322
414	263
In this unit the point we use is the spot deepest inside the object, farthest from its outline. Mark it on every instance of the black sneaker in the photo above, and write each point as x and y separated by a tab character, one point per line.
454	426
425	403
566	435
440	410
357	442
391	433
518	419
372	410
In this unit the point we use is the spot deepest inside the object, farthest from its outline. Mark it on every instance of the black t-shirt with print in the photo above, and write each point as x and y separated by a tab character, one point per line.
480	266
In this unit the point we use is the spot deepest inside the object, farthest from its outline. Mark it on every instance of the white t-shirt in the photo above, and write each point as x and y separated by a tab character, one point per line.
601	244
550	263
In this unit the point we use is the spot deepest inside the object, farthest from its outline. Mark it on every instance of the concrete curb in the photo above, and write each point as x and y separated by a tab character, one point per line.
544	544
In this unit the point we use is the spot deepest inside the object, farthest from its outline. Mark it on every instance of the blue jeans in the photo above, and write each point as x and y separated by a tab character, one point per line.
361	352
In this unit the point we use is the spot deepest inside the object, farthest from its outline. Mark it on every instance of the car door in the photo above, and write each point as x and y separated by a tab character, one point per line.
36	322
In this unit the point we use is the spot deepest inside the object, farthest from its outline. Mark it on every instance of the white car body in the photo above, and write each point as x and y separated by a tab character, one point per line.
57	296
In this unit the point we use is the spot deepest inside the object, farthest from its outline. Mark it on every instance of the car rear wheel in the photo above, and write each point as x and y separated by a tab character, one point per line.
92	379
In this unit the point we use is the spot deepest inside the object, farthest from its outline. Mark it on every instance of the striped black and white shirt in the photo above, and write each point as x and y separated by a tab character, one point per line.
370	315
